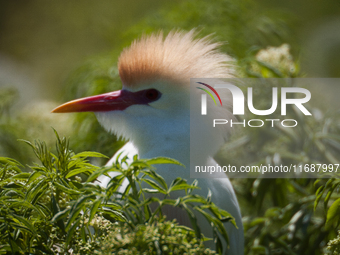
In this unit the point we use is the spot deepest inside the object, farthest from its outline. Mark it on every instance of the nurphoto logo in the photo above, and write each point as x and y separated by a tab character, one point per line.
286	96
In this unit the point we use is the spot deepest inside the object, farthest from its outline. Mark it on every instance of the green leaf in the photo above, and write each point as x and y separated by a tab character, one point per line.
33	177
115	184
328	196
221	214
43	248
193	220
79	171
66	189
5	248
147	212
13	185
21	176
194	199
113	206
22	221
99	172
259	249
274	70
70	233
56	210
218	242
14	193
182	186
87	154
156	177
217	223
20	227
38	189
155	185
257	221
9	161
162	160
44	209
15	248
318	195
60	215
140	164
25	204
333	212
113	214
76	209
94	209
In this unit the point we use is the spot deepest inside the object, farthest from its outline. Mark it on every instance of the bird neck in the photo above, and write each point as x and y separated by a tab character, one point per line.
172	140
169	142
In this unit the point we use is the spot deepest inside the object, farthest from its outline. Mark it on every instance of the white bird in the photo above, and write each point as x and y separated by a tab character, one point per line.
153	111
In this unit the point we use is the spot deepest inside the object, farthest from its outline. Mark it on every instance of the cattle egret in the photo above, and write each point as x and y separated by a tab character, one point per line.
152	111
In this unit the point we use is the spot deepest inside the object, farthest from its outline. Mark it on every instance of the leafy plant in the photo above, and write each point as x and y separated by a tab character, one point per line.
137	204
52	210
284	216
30	200
161	237
325	191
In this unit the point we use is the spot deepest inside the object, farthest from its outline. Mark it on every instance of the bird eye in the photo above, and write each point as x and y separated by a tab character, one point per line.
152	94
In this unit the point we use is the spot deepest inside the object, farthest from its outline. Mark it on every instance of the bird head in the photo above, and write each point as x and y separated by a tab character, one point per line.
154	102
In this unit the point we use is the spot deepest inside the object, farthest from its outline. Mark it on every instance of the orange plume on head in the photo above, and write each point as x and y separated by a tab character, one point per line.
177	57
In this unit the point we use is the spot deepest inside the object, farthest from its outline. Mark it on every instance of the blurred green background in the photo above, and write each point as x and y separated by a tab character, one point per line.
51	52
42	42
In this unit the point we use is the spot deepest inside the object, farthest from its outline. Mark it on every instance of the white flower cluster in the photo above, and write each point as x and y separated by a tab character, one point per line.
333	246
277	57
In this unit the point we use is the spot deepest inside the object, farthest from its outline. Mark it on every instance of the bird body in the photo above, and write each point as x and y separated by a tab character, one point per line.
219	186
153	111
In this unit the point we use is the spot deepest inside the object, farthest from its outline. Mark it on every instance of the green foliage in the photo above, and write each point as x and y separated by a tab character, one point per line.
325	191
52	210
137	203
161	237
7	97
30	201
281	216
242	24
8	130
